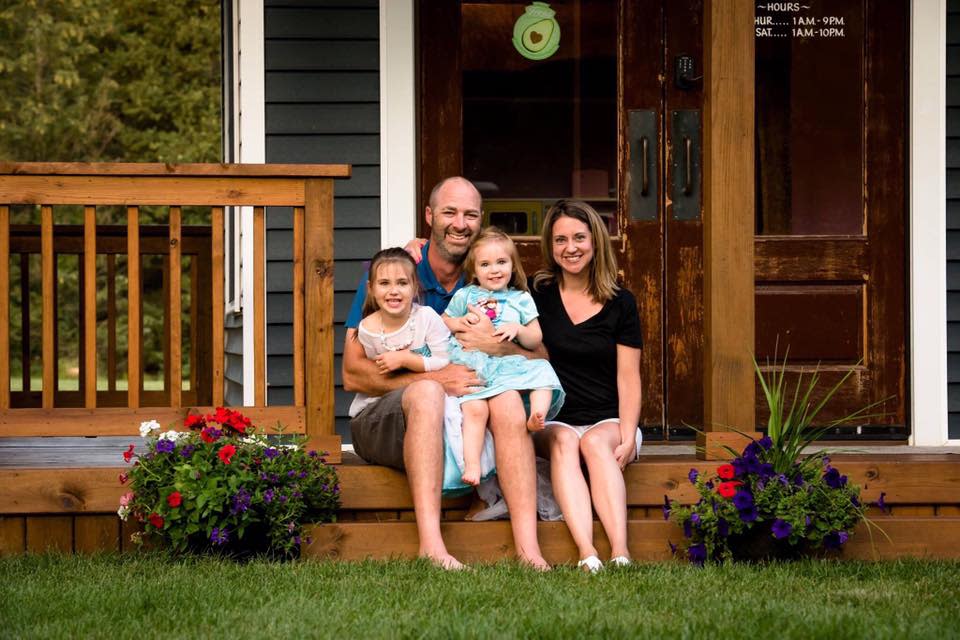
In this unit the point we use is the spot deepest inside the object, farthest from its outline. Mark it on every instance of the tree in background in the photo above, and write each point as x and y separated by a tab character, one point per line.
101	80
106	80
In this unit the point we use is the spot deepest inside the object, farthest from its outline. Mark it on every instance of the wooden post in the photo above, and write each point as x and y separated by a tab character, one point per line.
174	340
4	307
299	391
318	291
729	391
48	322
216	288
89	307
133	307
259	308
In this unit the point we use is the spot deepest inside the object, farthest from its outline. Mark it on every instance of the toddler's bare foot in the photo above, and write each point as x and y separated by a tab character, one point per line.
535	422
471	474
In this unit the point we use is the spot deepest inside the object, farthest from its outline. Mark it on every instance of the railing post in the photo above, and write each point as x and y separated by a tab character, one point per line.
90	307
48	323
4	307
318	290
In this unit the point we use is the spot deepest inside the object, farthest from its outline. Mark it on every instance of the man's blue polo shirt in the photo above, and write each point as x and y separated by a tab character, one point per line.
432	294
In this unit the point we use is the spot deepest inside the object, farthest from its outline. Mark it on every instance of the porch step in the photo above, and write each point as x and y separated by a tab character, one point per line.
922	537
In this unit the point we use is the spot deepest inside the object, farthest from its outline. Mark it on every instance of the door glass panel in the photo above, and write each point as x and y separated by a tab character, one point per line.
535	131
810	115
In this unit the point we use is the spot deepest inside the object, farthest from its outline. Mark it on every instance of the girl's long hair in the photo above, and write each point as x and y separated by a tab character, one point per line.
603	268
386	256
518	279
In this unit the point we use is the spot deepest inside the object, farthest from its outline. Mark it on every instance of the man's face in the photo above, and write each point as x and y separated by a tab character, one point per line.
455	220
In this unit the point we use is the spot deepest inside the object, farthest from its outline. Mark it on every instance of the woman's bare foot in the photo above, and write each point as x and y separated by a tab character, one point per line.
444	561
535	422
471	474
537	563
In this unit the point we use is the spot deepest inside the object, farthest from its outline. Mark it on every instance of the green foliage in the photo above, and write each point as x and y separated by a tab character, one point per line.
101	80
151	595
207	489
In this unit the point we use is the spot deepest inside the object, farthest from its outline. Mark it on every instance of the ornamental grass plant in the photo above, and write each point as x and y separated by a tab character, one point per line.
222	486
773	500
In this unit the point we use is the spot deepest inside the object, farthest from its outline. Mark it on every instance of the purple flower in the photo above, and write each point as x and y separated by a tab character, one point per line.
187	451
783	480
695	518
881	503
268	496
687	529
798	479
296	539
291	473
241	501
165	446
766	470
697	554
833	478
855	501
708	484
302	475
743	500
219	536
336	488
750	514
673	548
723	527
693	475
312	453
751	450
835	539
282	498
765	442
270	453
781	529
808	521
826	461
666	507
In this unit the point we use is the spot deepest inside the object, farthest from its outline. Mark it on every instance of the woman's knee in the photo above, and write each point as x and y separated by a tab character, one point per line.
565	444
595	444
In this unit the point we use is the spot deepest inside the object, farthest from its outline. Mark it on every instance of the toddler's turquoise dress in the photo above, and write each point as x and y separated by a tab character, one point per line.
503	373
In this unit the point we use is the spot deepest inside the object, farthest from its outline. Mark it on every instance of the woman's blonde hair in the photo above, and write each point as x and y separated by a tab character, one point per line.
518	279
603	268
387	256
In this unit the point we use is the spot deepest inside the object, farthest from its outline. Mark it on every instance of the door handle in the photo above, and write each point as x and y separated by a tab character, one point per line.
643	189
685	173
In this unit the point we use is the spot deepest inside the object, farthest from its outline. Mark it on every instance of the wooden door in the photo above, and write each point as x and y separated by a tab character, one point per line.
575	115
614	116
831	200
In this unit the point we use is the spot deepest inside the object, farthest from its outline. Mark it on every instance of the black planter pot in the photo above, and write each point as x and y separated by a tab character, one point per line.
759	545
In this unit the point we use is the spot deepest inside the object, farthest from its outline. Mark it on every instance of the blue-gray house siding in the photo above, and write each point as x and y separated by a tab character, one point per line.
322	106
953	216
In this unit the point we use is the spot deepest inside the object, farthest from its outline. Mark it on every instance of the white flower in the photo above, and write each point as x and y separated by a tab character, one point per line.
254	439
123	512
147	427
288	446
173	436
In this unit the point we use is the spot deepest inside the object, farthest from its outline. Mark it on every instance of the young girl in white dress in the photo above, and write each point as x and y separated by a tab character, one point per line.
396	332
498	289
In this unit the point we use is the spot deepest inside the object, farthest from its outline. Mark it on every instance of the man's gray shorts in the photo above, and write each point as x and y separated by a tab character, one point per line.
379	429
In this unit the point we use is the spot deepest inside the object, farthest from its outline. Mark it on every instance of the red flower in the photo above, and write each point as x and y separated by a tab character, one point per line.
128	453
727	489
123	478
226	452
174	499
194	421
156	520
726	471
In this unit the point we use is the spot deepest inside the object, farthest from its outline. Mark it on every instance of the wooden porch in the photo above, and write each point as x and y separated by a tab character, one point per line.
73	508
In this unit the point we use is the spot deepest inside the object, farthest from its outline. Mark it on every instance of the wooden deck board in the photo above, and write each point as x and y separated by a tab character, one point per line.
648	539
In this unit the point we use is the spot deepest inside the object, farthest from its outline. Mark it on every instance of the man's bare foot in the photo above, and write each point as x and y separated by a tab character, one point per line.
471	474
535	422
537	563
444	561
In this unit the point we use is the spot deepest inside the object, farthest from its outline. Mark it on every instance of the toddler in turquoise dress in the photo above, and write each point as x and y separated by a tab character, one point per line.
498	290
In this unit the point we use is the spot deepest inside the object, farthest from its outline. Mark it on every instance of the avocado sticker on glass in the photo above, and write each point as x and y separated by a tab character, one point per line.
536	34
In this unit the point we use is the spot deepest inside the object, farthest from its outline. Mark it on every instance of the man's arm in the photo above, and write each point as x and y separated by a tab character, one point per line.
479	337
362	375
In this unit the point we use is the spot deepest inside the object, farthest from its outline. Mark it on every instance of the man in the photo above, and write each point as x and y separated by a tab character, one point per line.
404	429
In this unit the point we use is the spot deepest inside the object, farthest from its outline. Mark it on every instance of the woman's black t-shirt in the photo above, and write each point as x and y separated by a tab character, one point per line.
585	355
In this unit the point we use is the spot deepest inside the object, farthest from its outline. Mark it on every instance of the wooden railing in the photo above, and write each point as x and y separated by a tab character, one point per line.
89	412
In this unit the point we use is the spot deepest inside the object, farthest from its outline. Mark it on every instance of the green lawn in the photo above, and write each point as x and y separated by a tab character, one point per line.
151	596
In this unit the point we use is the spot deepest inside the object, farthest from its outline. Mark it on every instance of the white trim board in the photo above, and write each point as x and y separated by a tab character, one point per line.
928	224
250	148
398	124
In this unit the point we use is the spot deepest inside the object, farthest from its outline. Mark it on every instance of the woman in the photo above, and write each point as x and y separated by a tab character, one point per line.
591	330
